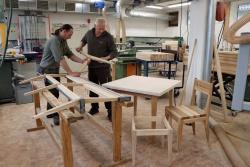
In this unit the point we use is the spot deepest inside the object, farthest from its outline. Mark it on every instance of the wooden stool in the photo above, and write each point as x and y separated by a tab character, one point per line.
164	130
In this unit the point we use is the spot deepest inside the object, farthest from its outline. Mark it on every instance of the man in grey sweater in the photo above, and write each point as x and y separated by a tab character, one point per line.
53	57
100	44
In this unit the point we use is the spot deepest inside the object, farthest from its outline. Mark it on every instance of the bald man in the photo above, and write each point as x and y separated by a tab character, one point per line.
100	44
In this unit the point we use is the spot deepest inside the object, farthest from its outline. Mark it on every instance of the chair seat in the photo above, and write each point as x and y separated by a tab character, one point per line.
185	112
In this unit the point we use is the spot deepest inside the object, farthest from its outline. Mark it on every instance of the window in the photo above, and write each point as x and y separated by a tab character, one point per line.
243	9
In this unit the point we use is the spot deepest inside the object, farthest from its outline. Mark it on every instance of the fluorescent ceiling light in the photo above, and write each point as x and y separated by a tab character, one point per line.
154	7
179	5
244	7
142	14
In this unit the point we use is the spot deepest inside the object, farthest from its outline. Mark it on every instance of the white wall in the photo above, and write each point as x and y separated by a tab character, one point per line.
175	31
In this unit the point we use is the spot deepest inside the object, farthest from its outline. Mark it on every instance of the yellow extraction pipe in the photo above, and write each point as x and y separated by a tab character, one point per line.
3	30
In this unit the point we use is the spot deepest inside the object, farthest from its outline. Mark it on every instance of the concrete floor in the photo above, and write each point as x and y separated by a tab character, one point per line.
92	148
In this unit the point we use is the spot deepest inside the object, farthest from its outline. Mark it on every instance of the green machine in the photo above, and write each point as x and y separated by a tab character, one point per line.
126	64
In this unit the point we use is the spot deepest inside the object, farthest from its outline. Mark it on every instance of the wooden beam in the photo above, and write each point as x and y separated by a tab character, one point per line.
57	109
188	71
96	58
32	79
220	79
101	91
37	106
41	89
117	126
63	89
65	114
71	84
98	99
66	143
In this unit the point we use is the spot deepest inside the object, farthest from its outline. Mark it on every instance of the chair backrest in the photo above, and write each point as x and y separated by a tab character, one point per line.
204	88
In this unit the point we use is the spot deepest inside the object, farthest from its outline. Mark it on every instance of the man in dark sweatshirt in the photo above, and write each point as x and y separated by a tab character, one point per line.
100	44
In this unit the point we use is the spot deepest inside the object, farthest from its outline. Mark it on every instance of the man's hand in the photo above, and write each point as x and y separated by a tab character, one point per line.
88	61
79	49
107	58
75	74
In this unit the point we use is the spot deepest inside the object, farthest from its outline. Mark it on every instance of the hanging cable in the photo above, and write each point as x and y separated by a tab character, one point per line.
7	36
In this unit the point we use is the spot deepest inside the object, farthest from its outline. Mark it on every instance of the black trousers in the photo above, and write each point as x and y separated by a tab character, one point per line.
100	76
54	91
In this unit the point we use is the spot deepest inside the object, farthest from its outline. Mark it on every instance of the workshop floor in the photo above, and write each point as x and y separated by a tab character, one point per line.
92	148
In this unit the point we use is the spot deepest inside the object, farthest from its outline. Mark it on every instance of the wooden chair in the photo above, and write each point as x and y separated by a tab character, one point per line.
192	113
164	129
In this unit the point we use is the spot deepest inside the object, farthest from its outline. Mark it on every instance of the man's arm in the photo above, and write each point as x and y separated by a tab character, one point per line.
77	59
66	67
79	48
84	41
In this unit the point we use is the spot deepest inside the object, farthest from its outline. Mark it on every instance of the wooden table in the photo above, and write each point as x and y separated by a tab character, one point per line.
146	87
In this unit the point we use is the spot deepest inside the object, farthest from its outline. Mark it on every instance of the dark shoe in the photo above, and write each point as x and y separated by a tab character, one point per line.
93	111
51	115
110	115
56	120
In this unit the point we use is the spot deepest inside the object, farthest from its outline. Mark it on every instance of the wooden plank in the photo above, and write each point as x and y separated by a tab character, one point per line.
154	100
96	58
188	71
98	99
37	106
63	88
41	89
95	88
32	79
71	85
154	56
147	118
188	111
57	109
66	143
65	114
151	132
222	90
117	126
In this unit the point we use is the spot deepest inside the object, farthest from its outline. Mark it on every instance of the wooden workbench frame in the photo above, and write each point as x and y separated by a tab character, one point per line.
73	110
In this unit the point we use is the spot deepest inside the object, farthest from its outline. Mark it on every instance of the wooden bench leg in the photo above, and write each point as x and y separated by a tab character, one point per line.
207	130
117	126
135	105
179	135
170	140
66	143
134	141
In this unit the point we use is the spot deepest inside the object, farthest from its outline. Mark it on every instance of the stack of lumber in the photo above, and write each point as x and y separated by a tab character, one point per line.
154	56
228	62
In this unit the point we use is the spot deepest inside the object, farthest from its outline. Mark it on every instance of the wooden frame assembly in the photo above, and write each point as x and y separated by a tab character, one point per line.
73	110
